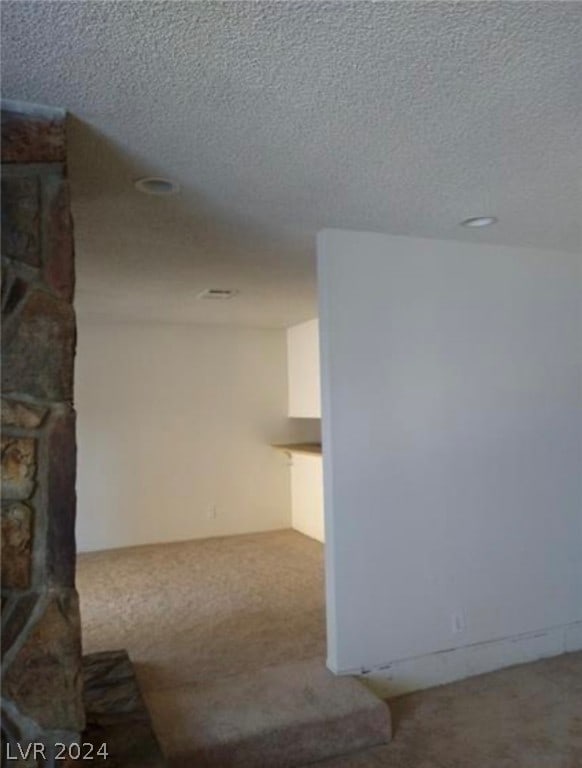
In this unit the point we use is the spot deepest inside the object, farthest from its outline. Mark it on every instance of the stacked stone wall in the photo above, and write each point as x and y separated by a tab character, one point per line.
41	636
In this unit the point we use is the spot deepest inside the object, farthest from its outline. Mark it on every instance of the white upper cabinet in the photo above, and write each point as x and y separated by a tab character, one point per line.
303	370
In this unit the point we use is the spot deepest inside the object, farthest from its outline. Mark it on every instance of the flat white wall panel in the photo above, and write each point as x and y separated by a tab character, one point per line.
303	361
452	432
174	430
307	495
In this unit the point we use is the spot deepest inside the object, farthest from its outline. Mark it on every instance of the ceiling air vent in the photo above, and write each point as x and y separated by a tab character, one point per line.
217	293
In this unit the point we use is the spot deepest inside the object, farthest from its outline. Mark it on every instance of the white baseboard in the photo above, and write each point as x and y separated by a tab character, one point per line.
406	675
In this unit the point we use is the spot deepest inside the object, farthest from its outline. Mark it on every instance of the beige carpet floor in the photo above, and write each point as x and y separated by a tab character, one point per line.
205	609
202	610
524	717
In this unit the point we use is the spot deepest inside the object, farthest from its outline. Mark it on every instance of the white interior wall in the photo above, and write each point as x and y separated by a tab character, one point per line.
174	430
303	370
307	495
452	436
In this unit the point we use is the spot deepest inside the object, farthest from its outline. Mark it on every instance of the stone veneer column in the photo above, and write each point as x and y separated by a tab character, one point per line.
41	636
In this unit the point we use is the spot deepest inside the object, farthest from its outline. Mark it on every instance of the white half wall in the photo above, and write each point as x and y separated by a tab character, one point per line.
174	430
452	447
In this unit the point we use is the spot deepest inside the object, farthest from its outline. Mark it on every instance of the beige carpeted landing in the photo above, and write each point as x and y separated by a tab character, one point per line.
285	716
201	610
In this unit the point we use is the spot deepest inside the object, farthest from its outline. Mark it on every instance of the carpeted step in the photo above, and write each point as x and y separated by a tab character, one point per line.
280	717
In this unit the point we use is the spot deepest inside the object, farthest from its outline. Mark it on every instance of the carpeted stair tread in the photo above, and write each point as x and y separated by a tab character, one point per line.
281	717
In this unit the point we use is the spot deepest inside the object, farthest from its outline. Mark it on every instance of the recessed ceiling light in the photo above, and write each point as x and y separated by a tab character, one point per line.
157	185
479	221
217	293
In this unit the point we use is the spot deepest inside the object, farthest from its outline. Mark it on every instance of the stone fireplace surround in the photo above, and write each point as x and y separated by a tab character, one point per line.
41	635
50	694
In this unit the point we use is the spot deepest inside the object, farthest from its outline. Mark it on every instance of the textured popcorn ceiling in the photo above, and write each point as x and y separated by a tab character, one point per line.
280	118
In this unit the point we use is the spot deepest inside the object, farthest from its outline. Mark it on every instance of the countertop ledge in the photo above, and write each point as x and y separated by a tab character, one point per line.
311	448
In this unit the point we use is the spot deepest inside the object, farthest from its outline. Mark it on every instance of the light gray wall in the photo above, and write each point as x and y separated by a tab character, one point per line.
174	422
452	428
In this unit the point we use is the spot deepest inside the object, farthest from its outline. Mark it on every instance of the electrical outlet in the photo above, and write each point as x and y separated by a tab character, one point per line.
459	622
211	512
